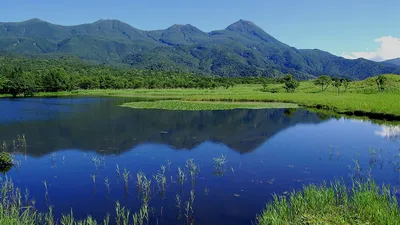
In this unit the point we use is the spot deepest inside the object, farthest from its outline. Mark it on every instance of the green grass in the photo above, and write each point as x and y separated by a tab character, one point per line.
365	203
202	105
361	97
18	210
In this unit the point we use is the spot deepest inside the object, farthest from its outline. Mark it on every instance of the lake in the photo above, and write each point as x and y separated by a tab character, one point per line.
70	140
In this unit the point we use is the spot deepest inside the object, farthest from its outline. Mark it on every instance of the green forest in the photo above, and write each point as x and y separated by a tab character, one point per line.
26	76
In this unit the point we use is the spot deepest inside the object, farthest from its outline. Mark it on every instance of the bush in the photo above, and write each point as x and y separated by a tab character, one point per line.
5	162
290	83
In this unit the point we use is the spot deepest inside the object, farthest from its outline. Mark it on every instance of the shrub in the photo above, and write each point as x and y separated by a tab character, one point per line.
5	162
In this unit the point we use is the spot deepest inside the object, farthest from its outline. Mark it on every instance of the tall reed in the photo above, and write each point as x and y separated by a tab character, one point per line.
94	182
220	165
126	179
181	176
107	183
194	170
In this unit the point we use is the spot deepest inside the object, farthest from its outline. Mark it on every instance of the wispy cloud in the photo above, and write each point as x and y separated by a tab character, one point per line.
389	49
389	132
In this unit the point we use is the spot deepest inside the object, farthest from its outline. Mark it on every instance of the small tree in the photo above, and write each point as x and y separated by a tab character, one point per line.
323	81
2	81
337	82
380	82
345	83
264	84
290	83
227	84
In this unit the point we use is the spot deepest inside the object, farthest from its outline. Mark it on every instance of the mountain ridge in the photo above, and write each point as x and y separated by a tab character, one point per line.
395	61
241	49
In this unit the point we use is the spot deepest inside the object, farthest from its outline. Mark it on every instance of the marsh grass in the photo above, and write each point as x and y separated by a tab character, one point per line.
94	182
373	157
118	171
15	211
107	183
96	161
194	170
122	215
358	173
46	194
205	105
220	165
21	141
233	171
169	165
125	175
178	204
206	190
146	190
181	176
364	203
161	180
189	210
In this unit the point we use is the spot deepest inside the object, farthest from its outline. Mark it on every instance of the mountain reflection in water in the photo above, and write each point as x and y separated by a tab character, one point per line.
94	124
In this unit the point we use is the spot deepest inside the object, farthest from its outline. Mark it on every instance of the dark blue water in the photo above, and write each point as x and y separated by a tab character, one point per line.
268	151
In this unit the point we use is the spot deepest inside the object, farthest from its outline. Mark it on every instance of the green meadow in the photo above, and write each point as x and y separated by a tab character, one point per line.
359	98
204	105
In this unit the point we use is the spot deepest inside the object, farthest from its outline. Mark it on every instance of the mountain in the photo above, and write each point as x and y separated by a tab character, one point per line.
112	132
393	61
241	49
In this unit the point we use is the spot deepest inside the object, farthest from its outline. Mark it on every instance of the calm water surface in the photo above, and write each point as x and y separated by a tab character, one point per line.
268	151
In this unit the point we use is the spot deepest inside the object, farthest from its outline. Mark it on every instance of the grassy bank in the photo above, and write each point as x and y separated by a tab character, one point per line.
360	98
365	203
18	210
203	105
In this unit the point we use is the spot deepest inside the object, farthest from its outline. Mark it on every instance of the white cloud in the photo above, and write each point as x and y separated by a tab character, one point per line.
389	132
389	49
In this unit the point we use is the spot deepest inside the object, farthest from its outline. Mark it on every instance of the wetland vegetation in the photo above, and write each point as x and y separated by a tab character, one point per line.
204	105
374	96
156	184
216	140
361	203
361	98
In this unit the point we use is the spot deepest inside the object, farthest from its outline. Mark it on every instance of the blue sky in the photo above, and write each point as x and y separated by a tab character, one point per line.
352	28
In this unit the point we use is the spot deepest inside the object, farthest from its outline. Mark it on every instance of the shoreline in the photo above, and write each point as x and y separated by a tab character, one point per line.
378	106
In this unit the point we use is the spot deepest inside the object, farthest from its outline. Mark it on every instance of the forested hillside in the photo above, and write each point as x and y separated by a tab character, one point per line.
242	49
26	76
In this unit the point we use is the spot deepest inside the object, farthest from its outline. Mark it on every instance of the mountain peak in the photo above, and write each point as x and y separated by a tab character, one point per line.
179	26
243	25
184	28
34	20
250	30
113	23
108	21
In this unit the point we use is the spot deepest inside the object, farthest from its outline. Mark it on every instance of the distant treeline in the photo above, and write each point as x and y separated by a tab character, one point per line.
26	76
